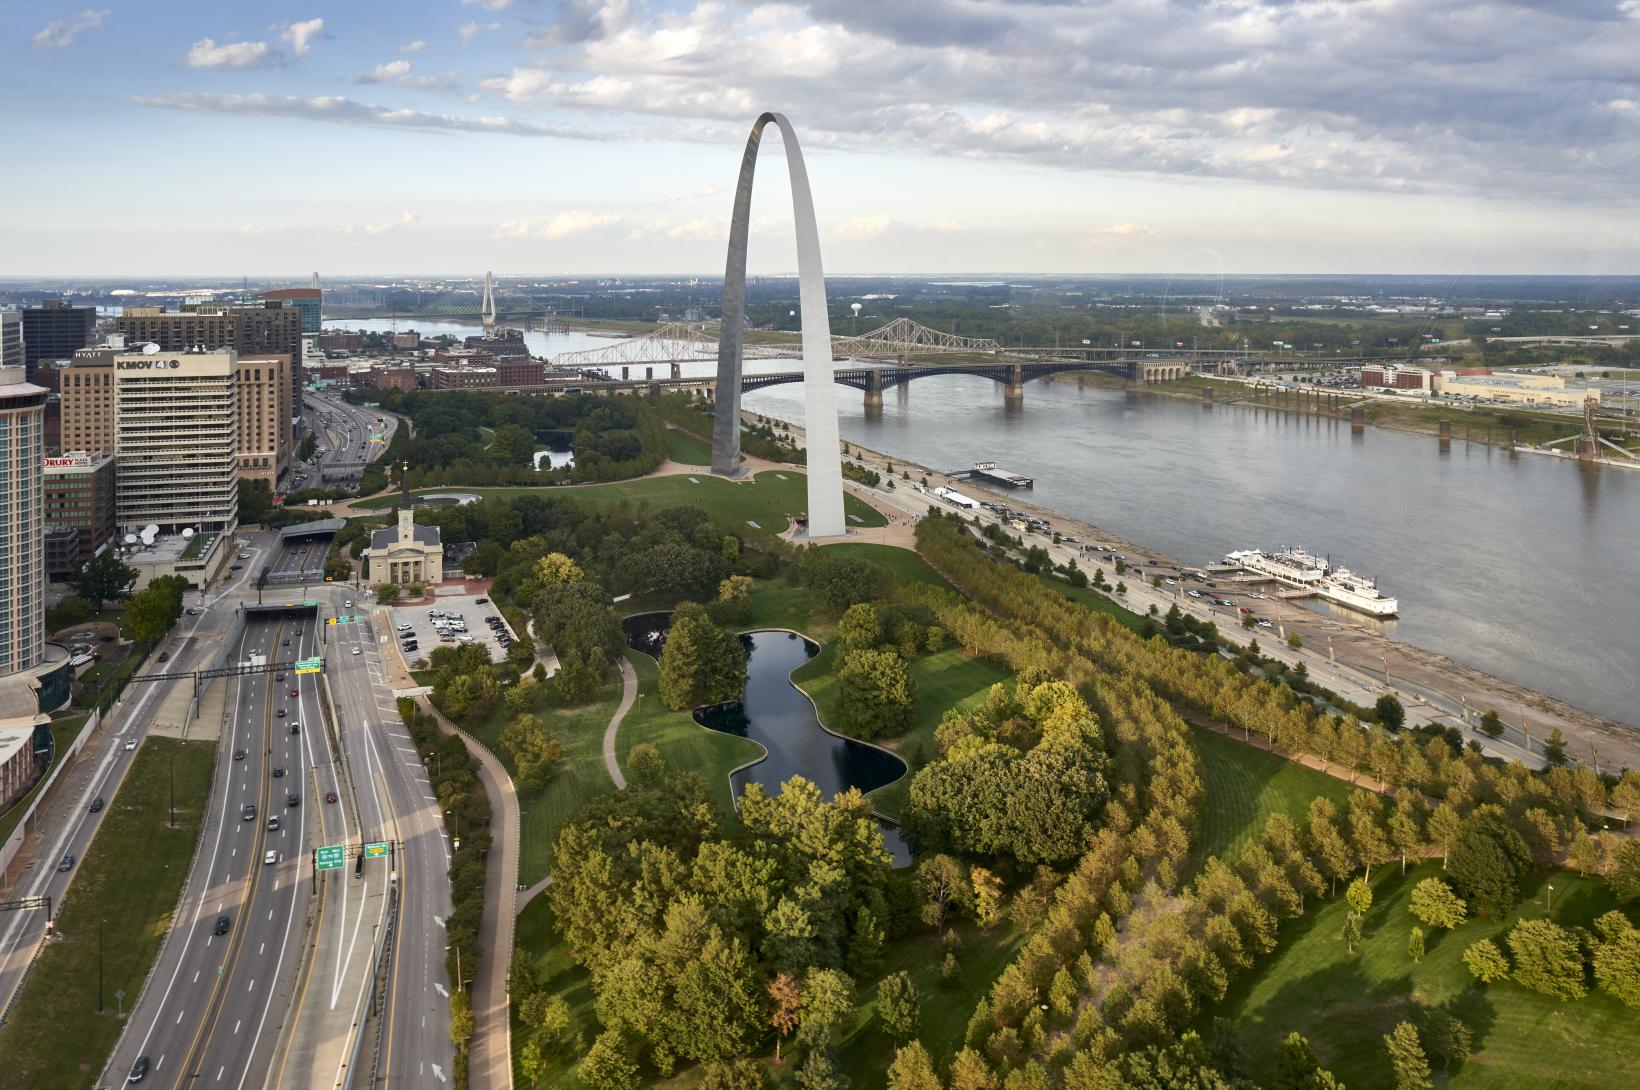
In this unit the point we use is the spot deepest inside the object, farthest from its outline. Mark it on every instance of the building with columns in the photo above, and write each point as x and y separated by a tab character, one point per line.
405	553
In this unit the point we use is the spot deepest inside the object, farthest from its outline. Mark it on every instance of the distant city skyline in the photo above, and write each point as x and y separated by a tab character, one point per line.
580	137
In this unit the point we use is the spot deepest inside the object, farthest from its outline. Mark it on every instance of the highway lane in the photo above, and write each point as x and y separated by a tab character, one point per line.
66	823
416	1047
203	1019
353	901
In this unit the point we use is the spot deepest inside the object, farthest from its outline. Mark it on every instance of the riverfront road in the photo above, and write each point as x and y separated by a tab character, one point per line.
212	1013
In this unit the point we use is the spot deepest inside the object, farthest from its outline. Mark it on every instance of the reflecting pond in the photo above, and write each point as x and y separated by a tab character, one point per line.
780	718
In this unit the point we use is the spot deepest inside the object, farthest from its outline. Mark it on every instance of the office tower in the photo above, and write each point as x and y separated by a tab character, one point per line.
176	441
55	330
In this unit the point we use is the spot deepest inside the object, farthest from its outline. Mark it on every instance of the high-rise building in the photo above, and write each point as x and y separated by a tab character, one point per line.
79	497
85	391
176	441
262	395
54	330
306	300
22	527
11	339
251	329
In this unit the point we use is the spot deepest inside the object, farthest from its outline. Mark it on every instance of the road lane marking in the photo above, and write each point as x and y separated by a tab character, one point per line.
196	977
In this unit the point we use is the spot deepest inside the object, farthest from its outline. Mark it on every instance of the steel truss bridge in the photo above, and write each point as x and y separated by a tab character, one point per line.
901	339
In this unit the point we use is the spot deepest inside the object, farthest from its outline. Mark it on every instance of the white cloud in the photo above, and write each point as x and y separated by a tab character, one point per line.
861	227
413	47
206	53
302	35
397	74
406	219
348	111
469	31
692	230
563	225
1115	234
62	33
488	5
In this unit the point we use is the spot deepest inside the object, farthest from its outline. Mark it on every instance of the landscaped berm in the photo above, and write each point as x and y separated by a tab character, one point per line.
1119	874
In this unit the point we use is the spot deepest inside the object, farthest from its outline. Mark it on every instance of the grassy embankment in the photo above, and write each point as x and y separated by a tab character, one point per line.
688	450
63	733
768	500
129	882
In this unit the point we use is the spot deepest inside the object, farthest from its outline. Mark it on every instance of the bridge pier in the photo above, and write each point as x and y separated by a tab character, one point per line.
1014	389
874	390
1358	420
1446	435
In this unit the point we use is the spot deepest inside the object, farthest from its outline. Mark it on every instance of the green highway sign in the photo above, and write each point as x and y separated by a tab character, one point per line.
375	851
310	666
353	619
330	857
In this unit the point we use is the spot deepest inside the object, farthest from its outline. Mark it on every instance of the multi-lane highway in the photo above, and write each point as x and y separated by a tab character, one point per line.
348	436
214	1010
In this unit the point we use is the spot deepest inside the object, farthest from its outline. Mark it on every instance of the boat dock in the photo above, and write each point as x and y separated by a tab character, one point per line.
989	473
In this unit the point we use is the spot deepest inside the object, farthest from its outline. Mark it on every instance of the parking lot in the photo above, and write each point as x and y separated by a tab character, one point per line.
474	613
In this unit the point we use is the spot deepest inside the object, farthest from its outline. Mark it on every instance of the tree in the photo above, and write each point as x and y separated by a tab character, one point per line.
859	627
1584	854
1406	1057
461	1019
387	593
741	1074
1491	725
1487	861
734	599
1388	711
1359	896
1617	958
787	998
1547	958
875	693
535	754
1485	961
1435	905
1352	931
151	611
701	663
987	896
1406	828
1294	642
1623	871
1296	1067
1449	1037
912	1069
819	1072
557	570
512	445
940	878
1554	748
828	999
969	1071
1415	945
103	578
608	1064
898	1006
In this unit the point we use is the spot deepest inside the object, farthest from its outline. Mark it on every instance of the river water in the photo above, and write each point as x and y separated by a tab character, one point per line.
1521	566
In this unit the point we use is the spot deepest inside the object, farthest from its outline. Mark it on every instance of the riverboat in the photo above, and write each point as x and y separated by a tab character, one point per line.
1299	569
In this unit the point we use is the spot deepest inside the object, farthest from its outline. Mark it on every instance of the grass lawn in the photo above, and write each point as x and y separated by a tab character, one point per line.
130	877
768	499
63	733
1345	1004
688	450
947	679
1245	785
1094	600
685	744
581	731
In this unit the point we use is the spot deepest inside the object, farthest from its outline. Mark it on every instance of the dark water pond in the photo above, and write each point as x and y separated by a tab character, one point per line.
777	716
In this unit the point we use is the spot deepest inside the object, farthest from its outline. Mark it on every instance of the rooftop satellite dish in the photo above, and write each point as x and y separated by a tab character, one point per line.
187	534
130	539
150	349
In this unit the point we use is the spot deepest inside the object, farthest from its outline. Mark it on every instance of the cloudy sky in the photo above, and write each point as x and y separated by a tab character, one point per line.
603	136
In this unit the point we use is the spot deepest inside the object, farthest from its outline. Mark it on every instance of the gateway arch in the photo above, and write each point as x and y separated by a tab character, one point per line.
825	469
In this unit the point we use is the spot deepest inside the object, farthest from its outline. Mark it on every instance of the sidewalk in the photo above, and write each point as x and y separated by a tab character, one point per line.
489	1060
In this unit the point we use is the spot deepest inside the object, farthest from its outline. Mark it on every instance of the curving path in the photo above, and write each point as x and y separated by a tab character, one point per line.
629	693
